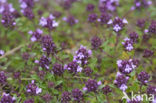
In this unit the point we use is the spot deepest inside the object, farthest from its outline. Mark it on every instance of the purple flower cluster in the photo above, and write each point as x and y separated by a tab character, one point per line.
6	7
147	53
143	77
108	5
33	89
92	17
58	69
49	22
70	20
106	90
134	37
128	44
151	90
47	97
126	66
88	71
141	4
121	81
90	7
26	8
66	97
48	45
8	17
2	77
141	23
44	62
6	98
96	42
91	85
82	55
104	18
73	67
67	4
134	101
118	24
77	94
36	36
152	27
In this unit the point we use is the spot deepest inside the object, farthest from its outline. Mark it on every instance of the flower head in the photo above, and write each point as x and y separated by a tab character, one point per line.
96	42
91	85
66	97
143	77
82	55
121	81
77	94
3	78
58	69
126	66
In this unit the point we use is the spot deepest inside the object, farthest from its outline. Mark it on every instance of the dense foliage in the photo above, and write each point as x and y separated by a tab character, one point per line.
77	51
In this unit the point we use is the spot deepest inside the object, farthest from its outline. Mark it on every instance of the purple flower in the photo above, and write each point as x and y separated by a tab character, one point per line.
141	23
108	5
3	1
121	81
118	24
2	52
17	75
66	97
36	36
91	85
82	55
133	101
106	90
6	7
8	19
44	62
41	74
96	42
49	22
70	20
128	44
57	14
6	98
29	101
27	12
151	90
33	89
104	18
134	37
88	71
142	3
3	78
126	66
73	67
26	3
92	17
77	94
90	7
58	69
147	53
48	45
152	27
47	97
67	4
143	77
25	56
